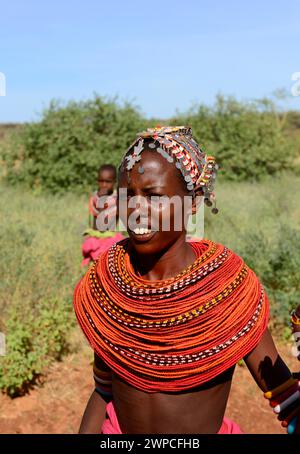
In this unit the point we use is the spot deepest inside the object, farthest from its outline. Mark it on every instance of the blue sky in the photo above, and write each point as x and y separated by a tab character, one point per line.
162	55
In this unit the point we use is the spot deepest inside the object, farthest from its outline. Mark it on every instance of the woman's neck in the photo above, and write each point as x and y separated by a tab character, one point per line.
166	264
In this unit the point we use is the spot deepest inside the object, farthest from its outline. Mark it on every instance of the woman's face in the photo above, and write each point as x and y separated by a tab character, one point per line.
150	179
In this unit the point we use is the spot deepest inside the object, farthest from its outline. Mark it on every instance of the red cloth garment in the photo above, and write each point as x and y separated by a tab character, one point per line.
111	424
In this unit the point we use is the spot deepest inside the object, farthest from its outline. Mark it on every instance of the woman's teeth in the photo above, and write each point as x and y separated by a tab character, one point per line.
141	231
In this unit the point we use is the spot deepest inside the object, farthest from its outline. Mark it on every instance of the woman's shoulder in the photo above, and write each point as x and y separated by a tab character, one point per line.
208	245
229	258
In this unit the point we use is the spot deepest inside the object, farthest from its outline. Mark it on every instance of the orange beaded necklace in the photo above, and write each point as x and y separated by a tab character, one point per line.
175	334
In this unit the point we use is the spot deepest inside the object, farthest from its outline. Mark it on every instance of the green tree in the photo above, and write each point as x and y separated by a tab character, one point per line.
246	138
64	150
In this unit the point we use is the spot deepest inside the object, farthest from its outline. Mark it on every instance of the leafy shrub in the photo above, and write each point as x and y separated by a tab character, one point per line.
40	239
64	150
32	342
245	138
278	265
261	223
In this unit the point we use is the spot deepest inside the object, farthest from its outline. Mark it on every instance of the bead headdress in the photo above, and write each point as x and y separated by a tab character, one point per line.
177	145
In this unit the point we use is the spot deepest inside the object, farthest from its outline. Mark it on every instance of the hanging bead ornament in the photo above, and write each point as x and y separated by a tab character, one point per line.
214	209
133	158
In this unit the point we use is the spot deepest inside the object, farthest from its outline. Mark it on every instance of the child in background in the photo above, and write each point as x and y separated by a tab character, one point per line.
107	175
102	202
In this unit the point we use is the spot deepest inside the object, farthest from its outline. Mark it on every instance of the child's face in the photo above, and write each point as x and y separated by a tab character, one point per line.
106	182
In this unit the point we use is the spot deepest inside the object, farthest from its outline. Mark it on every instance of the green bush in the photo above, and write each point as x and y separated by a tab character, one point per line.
64	150
40	239
261	223
278	265
246	138
32	342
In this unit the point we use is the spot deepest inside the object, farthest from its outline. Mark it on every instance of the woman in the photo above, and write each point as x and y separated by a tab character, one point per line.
169	319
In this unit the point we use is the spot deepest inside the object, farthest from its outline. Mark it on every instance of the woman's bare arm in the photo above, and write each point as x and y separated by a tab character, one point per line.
267	368
94	414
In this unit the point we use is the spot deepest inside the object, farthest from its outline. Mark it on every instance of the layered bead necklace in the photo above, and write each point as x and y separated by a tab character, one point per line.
174	334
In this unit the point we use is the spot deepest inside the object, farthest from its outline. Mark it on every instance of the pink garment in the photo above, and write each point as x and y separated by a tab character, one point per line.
92	247
229	427
111	424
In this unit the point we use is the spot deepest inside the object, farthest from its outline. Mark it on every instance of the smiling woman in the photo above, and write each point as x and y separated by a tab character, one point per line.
168	319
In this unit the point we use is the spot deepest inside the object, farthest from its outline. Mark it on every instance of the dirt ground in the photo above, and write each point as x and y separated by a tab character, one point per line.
57	406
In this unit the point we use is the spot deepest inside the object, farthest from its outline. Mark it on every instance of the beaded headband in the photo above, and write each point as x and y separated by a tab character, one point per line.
176	144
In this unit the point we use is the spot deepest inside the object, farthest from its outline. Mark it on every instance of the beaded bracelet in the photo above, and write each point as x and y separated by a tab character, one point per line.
103	382
295	318
285	401
295	325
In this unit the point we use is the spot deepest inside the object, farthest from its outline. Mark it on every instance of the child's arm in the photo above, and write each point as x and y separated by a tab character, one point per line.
94	414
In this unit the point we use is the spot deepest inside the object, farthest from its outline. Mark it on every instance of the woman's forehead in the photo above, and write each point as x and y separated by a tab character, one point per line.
151	169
